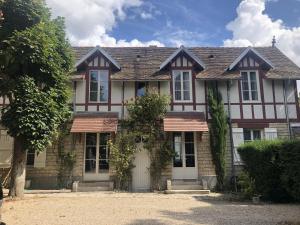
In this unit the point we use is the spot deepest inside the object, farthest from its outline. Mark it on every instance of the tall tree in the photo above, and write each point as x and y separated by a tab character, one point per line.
35	59
217	131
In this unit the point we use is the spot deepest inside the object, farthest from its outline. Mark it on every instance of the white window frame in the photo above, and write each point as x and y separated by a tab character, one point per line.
181	81
249	86
98	86
252	135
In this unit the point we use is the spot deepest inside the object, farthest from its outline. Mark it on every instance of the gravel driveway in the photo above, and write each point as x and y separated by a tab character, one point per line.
142	208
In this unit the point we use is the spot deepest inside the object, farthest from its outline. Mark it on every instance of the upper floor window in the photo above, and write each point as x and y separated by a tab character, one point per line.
141	88
182	85
30	158
98	86
250	86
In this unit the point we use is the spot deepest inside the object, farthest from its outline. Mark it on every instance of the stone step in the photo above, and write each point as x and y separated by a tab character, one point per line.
94	184
186	182
186	187
92	189
201	192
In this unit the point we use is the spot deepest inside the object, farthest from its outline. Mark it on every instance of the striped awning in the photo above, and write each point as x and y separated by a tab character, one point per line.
185	121
95	123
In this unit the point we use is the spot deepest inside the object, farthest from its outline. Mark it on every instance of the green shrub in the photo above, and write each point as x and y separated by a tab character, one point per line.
247	185
290	164
274	165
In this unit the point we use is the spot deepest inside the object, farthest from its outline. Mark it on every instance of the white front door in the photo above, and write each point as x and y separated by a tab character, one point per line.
140	173
185	159
96	160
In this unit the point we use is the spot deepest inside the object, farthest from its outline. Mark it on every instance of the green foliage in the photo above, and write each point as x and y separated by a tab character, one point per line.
247	185
274	166
217	131
145	116
66	160
33	115
35	59
122	151
21	14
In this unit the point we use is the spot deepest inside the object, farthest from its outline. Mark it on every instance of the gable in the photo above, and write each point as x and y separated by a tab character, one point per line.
243	60
181	61
92	59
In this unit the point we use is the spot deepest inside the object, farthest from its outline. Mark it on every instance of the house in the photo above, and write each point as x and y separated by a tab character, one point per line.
258	86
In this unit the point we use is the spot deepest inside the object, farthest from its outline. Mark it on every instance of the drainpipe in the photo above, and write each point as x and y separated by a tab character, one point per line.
286	107
74	96
123	91
229	83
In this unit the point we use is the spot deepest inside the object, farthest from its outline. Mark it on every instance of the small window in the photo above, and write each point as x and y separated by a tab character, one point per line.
30	158
249	86
182	85
251	135
141	88
99	85
177	142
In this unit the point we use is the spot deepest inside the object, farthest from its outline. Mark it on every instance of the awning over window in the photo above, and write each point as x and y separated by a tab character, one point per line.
185	121
95	122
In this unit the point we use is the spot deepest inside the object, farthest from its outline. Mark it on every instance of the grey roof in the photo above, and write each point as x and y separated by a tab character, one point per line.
216	67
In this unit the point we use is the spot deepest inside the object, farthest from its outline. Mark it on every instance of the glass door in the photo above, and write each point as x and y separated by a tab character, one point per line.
96	166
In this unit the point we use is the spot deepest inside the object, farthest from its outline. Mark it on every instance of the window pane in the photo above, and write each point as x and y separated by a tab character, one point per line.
177	95
186	76
177	160
91	139
30	158
186	85
247	135
141	89
189	137
103	75
103	91
246	95
94	76
104	137
254	95
177	85
189	149
256	135
90	166
103	165
186	95
90	152
190	161
93	85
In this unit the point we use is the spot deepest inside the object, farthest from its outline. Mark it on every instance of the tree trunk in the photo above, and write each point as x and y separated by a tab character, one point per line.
17	178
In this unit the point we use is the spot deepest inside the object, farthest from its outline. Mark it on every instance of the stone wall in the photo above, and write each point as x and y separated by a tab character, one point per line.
47	177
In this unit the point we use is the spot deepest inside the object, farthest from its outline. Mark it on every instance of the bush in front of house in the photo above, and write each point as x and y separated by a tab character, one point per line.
274	168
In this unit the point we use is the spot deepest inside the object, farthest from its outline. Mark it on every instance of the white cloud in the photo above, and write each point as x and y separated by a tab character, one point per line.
253	27
89	21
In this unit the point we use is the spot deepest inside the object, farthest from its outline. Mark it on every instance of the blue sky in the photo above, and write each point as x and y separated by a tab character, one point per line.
182	22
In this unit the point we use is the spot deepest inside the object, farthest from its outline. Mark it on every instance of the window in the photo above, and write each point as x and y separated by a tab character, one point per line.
183	144
182	85
98	85
251	135
30	158
249	86
97	152
141	88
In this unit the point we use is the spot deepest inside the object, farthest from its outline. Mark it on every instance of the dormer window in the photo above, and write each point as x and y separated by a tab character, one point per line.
98	86
250	91
182	85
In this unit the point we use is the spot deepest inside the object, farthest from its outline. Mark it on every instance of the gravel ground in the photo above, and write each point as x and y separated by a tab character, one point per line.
140	208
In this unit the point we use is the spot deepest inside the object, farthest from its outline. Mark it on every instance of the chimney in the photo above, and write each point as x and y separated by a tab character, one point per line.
273	41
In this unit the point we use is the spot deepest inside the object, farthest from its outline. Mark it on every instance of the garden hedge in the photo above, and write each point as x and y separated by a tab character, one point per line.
275	168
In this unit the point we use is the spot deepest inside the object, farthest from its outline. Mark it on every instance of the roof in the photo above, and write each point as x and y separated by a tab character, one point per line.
95	122
185	121
179	50
216	67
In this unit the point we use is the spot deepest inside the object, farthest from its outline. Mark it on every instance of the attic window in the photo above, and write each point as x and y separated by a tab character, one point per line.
211	56
138	58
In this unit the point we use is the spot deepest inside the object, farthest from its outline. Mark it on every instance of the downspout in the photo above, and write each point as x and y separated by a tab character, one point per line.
286	107
74	96
123	103
229	83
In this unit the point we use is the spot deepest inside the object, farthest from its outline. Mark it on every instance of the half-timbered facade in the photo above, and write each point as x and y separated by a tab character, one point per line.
258	87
